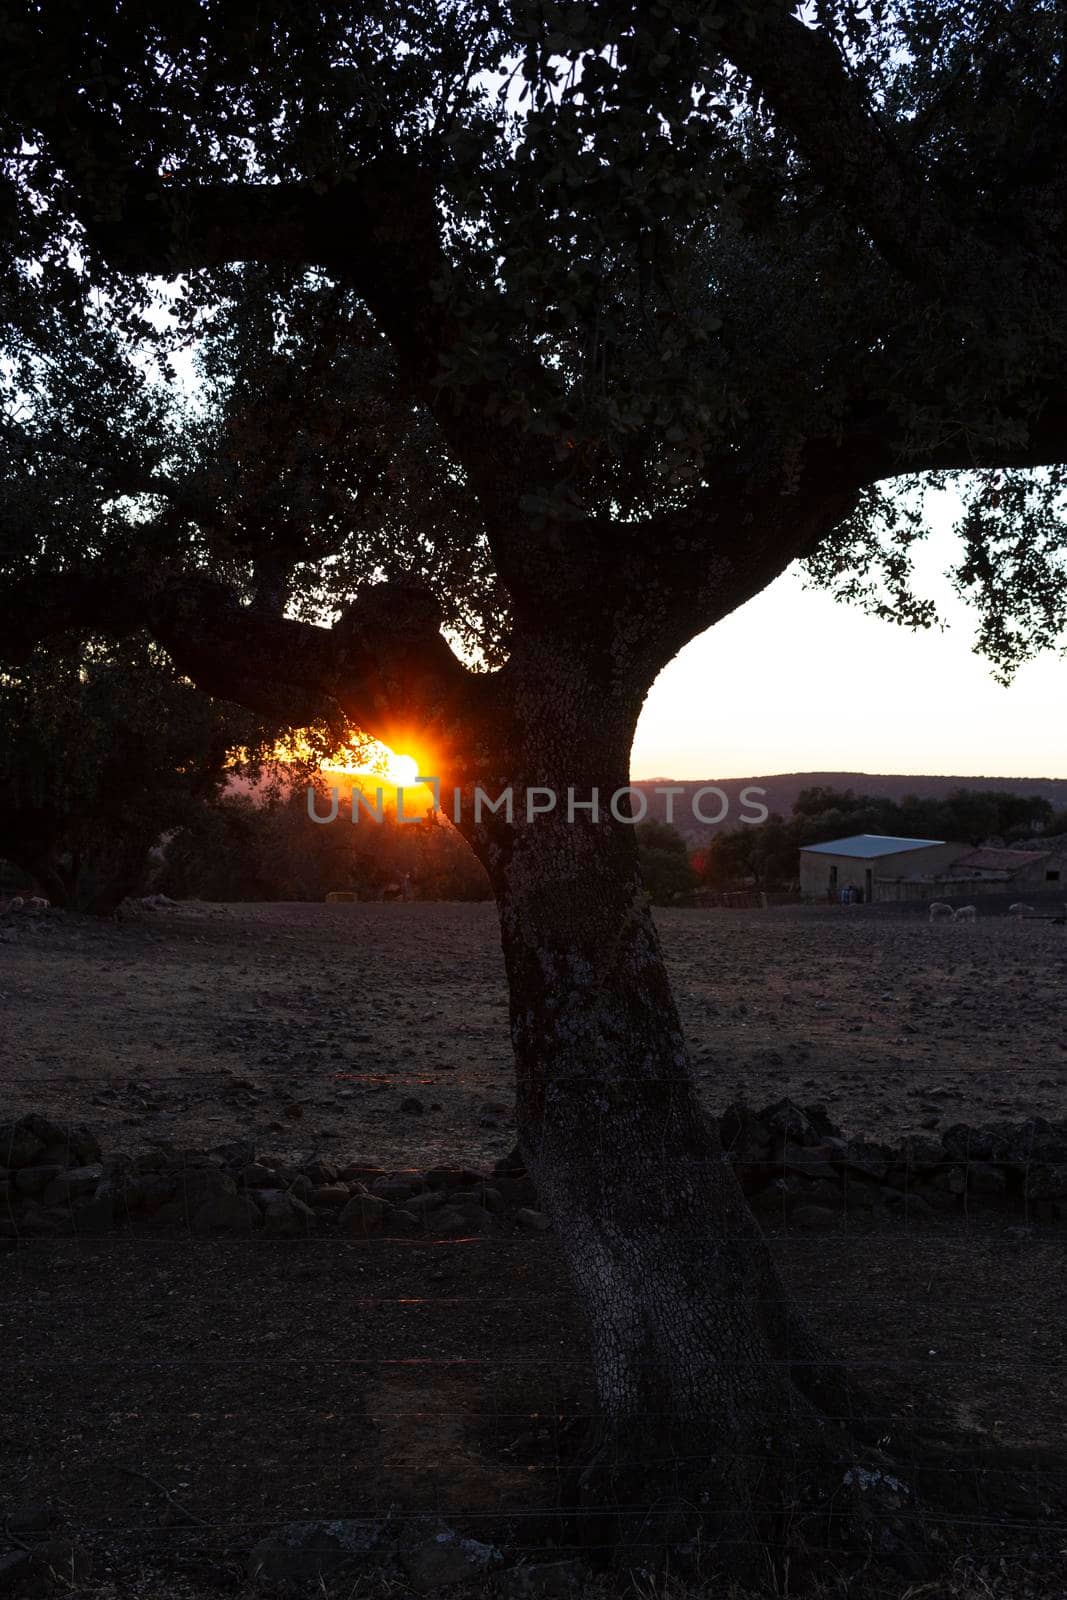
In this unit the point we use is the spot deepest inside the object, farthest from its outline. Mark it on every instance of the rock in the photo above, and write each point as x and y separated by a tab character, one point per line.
808	1216
907	1204
364	1214
447	1558
452	1177
987	1180
149	1192
35	1518
35	1179
39	1224
859	1195
412	1106
15	1571
532	1221
256	1176
320	1173
302	1552
810	1164
398	1187
331	1194
239	1153
55	1564
867	1160
69	1146
451	1223
358	1172
822	1192
744	1138
542	1580
1046	1183
512	1165
74	1182
430	1200
227	1213
287	1218
404	1223
301	1186
97	1216
197	1185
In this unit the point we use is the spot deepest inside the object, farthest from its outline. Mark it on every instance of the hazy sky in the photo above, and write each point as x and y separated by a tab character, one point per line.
795	682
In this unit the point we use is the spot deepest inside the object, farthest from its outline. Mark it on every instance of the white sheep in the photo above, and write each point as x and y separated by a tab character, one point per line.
964	914
37	902
16	904
940	912
1020	910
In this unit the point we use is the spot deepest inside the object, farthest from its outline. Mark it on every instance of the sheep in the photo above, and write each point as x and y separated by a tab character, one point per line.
964	914
940	912
1020	910
16	904
37	902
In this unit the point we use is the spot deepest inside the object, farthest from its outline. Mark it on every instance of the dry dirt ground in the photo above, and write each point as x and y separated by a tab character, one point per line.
204	1021
268	1381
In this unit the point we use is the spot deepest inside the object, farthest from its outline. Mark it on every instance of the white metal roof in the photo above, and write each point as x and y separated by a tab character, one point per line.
868	846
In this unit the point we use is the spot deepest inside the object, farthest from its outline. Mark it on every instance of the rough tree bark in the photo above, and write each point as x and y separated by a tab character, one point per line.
718	1414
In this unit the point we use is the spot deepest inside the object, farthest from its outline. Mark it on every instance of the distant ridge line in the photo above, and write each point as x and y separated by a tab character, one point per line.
782	789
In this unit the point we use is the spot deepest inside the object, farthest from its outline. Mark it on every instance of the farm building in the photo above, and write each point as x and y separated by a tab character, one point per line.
1021	869
826	869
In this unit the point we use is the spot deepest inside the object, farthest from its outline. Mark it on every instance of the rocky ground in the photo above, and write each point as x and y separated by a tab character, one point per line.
380	1031
217	1385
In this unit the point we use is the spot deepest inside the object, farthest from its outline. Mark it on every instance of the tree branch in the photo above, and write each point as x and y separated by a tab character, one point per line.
799	73
385	664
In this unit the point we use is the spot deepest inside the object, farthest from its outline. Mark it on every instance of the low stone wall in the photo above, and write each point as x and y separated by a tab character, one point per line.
794	1165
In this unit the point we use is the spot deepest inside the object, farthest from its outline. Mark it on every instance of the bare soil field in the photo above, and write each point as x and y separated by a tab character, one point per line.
176	1398
310	1026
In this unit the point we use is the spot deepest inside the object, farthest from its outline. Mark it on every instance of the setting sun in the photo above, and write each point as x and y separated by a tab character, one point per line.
378	761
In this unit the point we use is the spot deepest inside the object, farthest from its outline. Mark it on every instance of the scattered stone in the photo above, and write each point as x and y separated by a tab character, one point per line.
453	1177
36	1518
447	1558
412	1106
98	1216
532	1221
227	1213
364	1215
286	1218
542	1580
398	1188
453	1223
1047	1183
809	1216
73	1183
35	1179
429	1200
320	1173
331	1194
302	1552
256	1176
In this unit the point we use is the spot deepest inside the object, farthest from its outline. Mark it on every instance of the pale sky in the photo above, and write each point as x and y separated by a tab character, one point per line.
795	682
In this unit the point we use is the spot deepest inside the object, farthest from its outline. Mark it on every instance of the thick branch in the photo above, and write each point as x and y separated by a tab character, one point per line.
384	664
799	73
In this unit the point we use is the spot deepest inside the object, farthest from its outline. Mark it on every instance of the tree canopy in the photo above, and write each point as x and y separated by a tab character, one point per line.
658	297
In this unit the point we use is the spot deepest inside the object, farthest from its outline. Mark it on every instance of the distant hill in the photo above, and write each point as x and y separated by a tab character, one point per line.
782	788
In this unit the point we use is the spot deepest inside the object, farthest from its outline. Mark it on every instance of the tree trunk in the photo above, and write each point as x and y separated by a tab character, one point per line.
713	1403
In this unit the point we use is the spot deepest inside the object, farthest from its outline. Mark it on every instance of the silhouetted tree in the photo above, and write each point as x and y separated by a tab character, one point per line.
672	325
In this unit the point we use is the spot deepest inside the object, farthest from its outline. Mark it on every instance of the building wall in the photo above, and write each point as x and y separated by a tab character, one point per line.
925	862
1034	877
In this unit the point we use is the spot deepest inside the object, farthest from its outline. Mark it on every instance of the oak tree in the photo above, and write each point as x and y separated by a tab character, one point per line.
674	294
